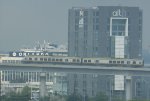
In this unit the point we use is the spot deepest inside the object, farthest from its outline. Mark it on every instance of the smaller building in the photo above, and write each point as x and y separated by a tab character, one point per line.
11	60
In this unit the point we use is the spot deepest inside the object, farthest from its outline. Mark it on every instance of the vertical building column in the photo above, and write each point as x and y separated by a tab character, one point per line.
36	80
28	77
128	88
42	84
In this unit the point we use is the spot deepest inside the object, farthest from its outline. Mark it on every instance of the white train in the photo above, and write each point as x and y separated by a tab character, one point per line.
83	61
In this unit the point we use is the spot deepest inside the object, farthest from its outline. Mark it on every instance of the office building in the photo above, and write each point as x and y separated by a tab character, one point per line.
105	31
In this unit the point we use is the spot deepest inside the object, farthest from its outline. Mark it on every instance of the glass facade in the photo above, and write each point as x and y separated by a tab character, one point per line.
118	27
119	36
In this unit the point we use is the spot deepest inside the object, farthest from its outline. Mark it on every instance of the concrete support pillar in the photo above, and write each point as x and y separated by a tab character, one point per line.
42	84
128	88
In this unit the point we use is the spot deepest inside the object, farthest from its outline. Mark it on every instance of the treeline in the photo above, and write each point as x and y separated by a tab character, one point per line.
25	95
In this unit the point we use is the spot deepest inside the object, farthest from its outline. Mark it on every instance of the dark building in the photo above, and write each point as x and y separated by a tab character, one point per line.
105	31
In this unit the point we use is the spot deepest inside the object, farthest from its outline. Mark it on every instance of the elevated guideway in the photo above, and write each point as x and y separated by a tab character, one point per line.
127	71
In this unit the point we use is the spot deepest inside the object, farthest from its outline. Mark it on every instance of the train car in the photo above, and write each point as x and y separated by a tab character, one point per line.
84	61
52	59
127	62
114	62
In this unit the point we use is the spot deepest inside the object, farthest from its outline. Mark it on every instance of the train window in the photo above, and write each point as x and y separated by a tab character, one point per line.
11	61
30	58
41	59
140	62
4	61
122	62
128	62
110	61
89	60
66	60
114	61
74	60
118	62
57	59
78	60
17	61
49	59
35	59
60	60
25	58
45	59
85	60
134	62
53	59
97	61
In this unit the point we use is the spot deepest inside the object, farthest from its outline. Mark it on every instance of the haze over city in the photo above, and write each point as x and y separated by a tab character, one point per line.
106	58
23	22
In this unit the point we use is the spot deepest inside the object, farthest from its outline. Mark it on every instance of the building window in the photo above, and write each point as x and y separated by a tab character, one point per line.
140	28
108	27
85	13
76	20
76	13
129	28
128	13
97	13
84	84
94	13
85	27
140	14
129	21
85	20
76	27
93	27
75	75
97	27
84	75
140	21
97	20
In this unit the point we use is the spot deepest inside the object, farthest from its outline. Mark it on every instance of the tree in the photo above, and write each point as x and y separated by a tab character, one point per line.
99	97
74	97
46	98
24	95
139	100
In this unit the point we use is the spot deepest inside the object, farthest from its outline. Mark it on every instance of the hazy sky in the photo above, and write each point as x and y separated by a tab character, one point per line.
23	22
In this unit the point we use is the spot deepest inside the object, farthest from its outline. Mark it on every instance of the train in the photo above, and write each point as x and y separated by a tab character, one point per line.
83	61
